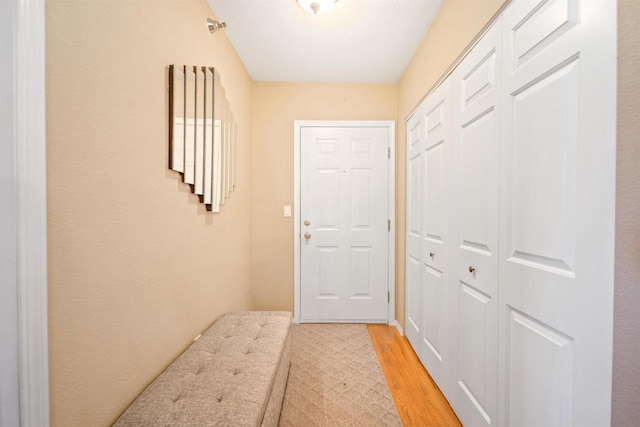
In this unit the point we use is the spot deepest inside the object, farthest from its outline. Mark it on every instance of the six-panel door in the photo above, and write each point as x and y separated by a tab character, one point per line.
344	213
475	222
415	170
557	195
435	273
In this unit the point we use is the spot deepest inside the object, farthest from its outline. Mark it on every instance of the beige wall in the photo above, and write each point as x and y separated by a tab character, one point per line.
455	26
626	343
275	107
137	268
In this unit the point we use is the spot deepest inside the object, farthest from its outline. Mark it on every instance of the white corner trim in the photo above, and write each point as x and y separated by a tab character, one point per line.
392	218
9	347
398	327
297	125
31	210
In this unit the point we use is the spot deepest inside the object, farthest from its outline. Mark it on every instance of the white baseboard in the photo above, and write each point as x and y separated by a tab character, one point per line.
398	327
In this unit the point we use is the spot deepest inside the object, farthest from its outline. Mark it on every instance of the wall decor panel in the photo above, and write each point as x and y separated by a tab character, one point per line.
202	133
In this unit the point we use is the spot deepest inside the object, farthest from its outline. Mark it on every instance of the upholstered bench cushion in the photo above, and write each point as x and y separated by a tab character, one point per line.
224	378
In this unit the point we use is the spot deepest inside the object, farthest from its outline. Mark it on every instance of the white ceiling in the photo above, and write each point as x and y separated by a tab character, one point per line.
363	41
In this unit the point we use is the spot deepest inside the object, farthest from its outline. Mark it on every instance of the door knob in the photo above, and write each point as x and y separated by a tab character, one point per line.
431	254
307	223
472	269
307	236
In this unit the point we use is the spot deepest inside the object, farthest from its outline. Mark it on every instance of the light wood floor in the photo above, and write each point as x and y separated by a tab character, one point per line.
418	399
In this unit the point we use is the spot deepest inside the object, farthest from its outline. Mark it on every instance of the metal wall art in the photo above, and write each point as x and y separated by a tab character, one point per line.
202	133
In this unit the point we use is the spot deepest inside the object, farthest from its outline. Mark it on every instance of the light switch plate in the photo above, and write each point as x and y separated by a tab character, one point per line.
287	211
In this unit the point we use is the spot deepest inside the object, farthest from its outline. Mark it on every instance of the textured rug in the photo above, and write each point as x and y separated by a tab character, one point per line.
335	379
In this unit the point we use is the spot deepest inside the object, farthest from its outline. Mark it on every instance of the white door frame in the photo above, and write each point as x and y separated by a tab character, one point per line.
391	126
23	207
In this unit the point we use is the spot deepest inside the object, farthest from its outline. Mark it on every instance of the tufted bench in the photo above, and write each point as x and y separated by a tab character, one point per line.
234	375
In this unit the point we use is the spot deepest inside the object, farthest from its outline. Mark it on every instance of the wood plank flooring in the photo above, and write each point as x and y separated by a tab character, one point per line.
418	399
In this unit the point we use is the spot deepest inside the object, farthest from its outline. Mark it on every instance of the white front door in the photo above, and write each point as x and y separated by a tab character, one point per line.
344	214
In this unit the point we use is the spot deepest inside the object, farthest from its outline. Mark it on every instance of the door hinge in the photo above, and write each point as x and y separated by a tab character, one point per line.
388	296
388	225
388	152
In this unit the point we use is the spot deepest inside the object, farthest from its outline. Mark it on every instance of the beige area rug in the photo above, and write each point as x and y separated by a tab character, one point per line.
335	379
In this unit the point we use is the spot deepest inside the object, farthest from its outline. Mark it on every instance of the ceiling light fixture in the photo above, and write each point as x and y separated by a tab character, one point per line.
316	6
215	25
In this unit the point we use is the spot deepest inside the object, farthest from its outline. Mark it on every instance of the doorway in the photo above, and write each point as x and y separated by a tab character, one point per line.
344	221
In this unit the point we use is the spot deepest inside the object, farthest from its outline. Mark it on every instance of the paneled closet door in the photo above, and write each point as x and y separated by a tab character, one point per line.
557	195
435	298
475	221
415	161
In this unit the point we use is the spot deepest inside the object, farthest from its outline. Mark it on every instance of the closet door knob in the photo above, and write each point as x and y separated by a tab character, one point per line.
307	223
307	236
431	254
472	269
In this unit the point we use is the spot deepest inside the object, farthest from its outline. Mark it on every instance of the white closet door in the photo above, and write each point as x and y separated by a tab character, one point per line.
436	187
415	160
557	191
475	220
